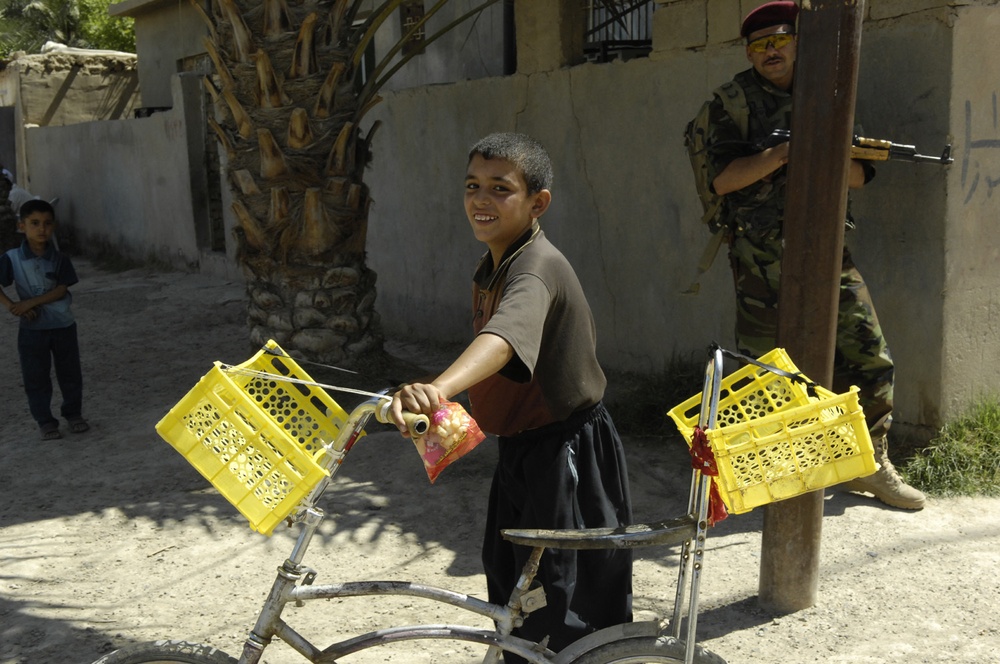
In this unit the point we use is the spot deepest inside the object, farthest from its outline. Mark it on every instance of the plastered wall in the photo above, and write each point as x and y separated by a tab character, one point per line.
625	212
971	251
61	87
127	185
166	32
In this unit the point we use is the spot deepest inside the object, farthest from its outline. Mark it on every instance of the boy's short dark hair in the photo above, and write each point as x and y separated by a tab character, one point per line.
35	205
524	152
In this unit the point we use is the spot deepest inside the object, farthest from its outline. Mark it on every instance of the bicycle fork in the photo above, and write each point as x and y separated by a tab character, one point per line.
288	576
292	570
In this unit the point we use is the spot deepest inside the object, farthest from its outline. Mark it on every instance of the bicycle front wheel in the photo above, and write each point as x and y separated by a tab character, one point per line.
167	652
646	650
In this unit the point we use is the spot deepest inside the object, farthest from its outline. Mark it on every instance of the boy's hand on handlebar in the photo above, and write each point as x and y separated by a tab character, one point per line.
422	398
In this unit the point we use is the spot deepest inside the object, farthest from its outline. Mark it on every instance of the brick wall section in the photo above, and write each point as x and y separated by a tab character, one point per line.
724	18
698	23
693	24
69	86
549	34
882	9
680	24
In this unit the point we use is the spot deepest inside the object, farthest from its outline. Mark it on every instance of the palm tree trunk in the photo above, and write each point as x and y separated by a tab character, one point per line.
284	105
287	113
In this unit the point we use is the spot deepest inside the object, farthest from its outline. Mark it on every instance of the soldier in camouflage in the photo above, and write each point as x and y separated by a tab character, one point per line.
752	183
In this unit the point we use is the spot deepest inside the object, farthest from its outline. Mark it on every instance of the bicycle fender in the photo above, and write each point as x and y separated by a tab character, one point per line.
607	635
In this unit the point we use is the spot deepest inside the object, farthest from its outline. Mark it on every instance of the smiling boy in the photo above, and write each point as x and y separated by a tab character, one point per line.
47	333
534	380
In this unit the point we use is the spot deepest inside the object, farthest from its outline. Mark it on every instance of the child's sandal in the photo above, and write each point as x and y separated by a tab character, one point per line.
78	425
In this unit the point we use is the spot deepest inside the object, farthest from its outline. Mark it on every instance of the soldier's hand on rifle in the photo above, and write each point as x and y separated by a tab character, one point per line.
744	171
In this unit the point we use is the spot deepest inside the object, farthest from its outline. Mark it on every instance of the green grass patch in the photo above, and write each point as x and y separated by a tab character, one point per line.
964	458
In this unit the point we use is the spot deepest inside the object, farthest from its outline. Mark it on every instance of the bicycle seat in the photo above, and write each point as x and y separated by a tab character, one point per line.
669	531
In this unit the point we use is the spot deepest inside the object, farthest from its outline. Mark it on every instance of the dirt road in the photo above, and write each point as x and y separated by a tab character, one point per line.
109	537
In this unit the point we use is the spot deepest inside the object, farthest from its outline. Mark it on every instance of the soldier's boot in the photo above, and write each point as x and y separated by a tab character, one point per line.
886	484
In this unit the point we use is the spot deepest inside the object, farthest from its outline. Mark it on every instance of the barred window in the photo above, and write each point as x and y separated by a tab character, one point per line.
618	29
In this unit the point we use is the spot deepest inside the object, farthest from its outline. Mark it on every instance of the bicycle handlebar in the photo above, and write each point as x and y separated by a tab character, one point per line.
416	423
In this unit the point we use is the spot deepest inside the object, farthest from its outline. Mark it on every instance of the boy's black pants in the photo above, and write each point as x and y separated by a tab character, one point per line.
570	474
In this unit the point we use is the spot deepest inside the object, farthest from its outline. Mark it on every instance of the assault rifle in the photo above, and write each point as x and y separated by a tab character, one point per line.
870	149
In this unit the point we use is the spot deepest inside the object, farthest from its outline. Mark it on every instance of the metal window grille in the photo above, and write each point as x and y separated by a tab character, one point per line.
410	13
619	29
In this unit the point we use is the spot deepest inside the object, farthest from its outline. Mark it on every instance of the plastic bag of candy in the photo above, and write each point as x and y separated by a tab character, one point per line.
452	433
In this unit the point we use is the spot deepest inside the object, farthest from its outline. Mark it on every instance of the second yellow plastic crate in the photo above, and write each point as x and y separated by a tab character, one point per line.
258	440
774	441
747	394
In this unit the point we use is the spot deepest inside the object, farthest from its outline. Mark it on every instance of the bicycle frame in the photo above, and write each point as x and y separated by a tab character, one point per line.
498	639
286	587
294	582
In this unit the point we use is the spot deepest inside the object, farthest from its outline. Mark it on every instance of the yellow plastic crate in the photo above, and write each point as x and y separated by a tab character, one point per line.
749	393
773	441
258	440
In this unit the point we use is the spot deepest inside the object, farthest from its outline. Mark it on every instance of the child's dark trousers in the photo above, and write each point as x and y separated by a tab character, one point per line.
40	351
570	474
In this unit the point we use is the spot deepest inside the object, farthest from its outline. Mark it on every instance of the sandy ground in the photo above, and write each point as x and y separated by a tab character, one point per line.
109	537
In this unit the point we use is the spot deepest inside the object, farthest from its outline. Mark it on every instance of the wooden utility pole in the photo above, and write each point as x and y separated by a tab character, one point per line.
825	86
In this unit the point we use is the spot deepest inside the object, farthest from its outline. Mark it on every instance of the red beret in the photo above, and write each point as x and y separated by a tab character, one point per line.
768	14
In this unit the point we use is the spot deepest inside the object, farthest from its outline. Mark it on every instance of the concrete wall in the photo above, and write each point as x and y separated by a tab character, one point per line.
169	31
166	32
904	94
136	186
64	86
971	311
472	50
625	211
620	211
67	86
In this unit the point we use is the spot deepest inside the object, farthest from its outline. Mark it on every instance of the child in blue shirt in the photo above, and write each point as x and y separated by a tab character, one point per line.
47	337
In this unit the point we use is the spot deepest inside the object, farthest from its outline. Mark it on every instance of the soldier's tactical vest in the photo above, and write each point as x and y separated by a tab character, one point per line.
758	209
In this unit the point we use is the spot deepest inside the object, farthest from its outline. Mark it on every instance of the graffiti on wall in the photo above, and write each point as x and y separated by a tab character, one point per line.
976	157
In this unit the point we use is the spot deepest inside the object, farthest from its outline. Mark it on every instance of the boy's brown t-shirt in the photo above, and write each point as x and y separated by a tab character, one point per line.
535	302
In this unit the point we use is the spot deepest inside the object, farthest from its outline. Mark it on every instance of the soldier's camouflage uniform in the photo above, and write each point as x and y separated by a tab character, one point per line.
754	216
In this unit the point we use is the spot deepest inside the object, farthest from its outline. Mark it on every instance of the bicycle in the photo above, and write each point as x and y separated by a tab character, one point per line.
653	641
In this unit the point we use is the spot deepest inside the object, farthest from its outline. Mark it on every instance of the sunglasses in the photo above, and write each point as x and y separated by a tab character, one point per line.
779	41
